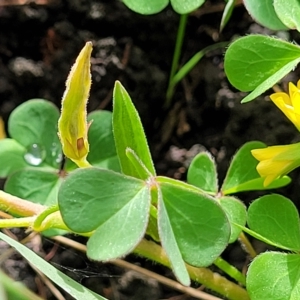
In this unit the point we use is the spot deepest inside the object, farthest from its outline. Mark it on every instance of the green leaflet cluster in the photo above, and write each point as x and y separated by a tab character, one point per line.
193	221
31	159
117	207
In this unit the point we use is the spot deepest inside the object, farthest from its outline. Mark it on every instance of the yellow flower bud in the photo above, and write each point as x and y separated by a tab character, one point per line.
289	103
276	161
72	124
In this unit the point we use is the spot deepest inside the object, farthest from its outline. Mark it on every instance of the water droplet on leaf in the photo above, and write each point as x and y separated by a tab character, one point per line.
56	153
35	154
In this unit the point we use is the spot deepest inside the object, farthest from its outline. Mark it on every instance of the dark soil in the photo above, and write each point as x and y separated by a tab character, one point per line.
39	43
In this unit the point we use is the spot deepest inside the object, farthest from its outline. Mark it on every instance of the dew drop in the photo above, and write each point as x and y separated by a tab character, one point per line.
56	153
35	154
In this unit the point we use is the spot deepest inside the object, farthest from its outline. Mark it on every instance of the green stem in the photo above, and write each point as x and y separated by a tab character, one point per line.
230	270
176	57
37	224
17	206
246	245
16	222
82	163
204	276
191	63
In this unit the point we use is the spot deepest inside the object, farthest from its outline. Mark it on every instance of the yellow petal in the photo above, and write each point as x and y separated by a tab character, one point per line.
269	152
270	167
269	179
276	161
281	97
283	102
296	101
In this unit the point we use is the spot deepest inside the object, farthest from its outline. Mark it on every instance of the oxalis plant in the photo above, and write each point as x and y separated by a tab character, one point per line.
254	64
107	189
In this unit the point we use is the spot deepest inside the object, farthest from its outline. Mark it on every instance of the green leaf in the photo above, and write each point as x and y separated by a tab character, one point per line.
72	287
258	61
276	218
139	166
272	80
227	13
152	229
35	123
242	168
258	185
202	173
11	157
274	275
102	145
236	213
263	12
187	6
201	236
129	133
288	12
10	289
103	151
146	7
242	174
169	243
114	205
36	185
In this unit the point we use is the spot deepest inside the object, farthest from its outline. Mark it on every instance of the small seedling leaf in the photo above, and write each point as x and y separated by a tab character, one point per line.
197	221
274	275
236	213
258	61
35	123
72	287
263	12
129	133
202	173
276	218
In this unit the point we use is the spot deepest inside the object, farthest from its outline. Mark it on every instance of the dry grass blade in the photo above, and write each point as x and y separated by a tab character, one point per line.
121	263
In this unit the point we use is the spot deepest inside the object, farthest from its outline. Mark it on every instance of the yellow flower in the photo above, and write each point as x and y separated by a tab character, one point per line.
276	161
289	104
72	124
